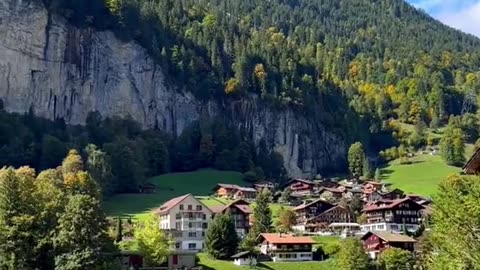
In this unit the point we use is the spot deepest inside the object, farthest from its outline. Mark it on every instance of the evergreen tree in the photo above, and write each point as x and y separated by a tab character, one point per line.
119	231
262	217
367	169
356	159
221	240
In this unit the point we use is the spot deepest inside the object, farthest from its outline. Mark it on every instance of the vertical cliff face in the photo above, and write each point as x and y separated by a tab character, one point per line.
60	71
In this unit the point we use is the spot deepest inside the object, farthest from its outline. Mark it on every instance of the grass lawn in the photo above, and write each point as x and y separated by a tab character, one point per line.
199	183
421	177
209	264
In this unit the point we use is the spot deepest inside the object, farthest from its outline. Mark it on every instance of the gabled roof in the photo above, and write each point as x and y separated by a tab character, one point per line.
226	186
308	182
277	238
388	204
333	190
246	189
240	204
243	254
390	237
164	208
305	205
328	210
473	164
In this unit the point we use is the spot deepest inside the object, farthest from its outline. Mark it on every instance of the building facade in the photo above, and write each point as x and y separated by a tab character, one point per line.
376	242
393	215
186	219
241	214
284	248
310	210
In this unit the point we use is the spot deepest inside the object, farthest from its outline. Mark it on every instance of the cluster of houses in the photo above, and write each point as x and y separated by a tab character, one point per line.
319	207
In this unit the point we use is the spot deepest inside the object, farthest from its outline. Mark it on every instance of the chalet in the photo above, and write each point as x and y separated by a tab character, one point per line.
245	193
472	167
394	194
393	215
241	214
310	210
376	242
336	214
373	196
245	258
264	184
300	186
284	247
225	190
331	193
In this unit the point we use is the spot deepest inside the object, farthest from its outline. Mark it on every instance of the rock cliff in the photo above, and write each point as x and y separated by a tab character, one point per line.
60	71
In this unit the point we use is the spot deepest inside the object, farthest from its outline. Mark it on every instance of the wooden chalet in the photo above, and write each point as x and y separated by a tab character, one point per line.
241	213
300	186
225	190
472	167
392	215
245	193
264	184
285	247
336	214
334	193
310	210
376	242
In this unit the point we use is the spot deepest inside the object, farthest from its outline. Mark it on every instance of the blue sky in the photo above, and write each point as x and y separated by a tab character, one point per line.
460	14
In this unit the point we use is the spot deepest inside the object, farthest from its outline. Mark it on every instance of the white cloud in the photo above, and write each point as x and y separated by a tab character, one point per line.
461	14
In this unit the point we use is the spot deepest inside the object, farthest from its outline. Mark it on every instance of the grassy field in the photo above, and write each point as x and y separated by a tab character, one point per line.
172	185
210	264
421	177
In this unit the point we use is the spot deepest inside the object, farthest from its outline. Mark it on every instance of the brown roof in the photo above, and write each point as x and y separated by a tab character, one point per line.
240	204
227	186
390	237
164	208
473	164
298	180
333	190
304	205
387	204
276	238
246	189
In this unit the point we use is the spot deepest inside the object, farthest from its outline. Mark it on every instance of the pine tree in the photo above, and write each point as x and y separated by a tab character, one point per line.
262	217
119	233
221	240
378	174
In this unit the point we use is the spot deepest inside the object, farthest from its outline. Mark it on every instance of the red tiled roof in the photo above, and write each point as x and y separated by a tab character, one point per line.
170	204
388	204
276	238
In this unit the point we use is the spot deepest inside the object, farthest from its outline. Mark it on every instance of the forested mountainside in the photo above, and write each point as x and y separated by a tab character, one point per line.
297	80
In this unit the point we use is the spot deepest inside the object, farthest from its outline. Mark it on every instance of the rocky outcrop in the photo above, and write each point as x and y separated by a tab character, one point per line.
60	71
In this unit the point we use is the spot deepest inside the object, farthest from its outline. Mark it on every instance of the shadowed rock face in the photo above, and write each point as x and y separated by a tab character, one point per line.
60	71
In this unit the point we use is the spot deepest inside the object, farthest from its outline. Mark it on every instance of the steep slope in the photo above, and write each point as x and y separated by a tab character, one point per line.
61	71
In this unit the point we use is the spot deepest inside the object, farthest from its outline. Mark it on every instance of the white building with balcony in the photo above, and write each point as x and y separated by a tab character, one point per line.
186	219
285	247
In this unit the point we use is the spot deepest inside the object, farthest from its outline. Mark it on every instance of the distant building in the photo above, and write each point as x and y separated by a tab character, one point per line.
336	214
376	242
392	215
284	247
244	258
264	184
235	192
333	193
186	219
310	210
241	214
300	187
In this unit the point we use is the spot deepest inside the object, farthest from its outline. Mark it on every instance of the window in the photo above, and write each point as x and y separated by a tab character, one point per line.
189	207
178	216
190	225
205	225
181	206
199	208
178	225
177	245
204	216
192	234
203	234
192	246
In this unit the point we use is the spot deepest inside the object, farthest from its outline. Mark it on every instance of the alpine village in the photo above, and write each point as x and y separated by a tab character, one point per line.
227	135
